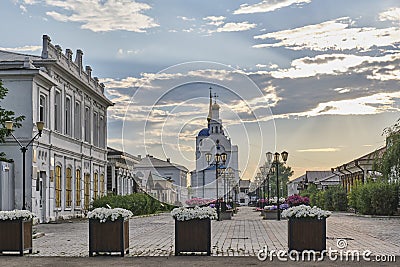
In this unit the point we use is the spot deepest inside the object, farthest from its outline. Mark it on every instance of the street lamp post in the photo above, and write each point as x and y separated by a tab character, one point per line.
284	155
9	126
218	159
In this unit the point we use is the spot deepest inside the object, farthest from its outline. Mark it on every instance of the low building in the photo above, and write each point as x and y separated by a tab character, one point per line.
173	172
243	194
66	166
322	179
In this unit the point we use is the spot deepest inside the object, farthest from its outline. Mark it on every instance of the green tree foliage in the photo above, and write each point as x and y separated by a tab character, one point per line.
6	115
389	164
334	198
285	172
138	203
375	198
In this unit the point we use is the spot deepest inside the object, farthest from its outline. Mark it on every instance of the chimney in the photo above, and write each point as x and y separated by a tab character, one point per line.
89	71
78	59
68	54
45	48
59	50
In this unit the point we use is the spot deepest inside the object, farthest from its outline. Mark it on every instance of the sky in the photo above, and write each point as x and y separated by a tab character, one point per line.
317	78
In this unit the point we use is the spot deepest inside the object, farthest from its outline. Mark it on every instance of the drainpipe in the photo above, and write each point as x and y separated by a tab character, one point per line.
338	168
358	166
351	175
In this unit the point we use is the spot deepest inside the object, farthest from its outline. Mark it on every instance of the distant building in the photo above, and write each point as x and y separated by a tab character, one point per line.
322	179
243	195
120	172
173	172
212	140
66	167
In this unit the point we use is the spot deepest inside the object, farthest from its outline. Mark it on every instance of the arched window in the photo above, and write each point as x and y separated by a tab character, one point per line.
78	188
58	186
68	187
95	185
87	191
102	184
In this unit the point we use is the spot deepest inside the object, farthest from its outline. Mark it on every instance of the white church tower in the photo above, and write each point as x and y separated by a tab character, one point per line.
212	140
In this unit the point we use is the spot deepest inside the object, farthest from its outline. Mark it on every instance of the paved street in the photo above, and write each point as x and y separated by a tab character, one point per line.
244	235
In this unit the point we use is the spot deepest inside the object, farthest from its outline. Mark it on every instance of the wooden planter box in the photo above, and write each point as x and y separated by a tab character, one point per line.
16	235
110	236
307	234
270	214
193	236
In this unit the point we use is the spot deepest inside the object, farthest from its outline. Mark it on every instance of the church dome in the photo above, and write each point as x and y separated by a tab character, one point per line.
215	106
204	132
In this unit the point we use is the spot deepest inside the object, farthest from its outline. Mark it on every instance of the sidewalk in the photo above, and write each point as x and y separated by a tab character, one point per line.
244	235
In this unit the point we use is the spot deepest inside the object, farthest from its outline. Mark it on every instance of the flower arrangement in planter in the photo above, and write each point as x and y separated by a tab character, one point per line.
306	228
296	200
16	231
271	211
185	214
304	211
104	214
109	230
275	207
193	229
197	201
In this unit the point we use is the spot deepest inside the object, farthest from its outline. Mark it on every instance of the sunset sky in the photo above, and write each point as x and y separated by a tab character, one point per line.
318	78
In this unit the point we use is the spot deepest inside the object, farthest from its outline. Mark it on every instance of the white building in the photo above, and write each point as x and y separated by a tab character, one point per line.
120	172
212	140
173	172
66	166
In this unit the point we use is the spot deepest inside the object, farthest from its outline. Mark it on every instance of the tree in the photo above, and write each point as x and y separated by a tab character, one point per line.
285	172
6	115
389	163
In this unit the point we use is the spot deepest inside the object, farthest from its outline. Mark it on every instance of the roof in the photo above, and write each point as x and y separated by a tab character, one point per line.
152	162
11	56
204	132
312	176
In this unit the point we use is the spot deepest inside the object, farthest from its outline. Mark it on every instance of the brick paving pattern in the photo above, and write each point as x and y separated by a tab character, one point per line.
244	235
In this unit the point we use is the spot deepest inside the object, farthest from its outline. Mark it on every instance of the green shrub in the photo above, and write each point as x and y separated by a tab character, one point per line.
138	203
375	198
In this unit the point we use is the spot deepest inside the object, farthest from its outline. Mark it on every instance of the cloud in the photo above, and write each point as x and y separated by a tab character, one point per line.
373	104
186	18
103	15
337	64
329	149
268	6
338	34
26	48
236	27
393	14
215	20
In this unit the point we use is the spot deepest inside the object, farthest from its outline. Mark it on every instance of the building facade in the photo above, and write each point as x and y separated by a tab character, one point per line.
212	140
120	172
175	173
66	166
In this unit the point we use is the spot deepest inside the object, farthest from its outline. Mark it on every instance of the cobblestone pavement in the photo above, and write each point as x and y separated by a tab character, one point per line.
244	235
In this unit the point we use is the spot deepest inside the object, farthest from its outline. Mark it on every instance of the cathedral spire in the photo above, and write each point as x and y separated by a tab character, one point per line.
210	109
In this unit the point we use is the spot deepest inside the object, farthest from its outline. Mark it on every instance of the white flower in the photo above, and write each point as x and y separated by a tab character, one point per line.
104	214
185	214
304	211
16	214
274	200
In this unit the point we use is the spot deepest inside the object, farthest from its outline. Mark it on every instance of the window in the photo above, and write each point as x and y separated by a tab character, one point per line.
87	191
78	188
57	111
102	185
77	120
95	185
102	131
42	108
95	129
87	124
68	116
58	187
68	187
